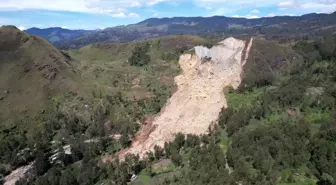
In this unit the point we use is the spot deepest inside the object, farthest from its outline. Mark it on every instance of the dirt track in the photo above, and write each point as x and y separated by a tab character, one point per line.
199	98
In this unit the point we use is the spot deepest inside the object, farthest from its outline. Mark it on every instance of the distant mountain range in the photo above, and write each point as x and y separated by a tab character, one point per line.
57	34
218	26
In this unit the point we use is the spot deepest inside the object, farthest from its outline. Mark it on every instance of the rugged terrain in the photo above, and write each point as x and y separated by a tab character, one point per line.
63	110
199	97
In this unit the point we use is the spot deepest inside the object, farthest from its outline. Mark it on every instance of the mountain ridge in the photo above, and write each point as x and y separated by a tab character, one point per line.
55	34
277	27
217	26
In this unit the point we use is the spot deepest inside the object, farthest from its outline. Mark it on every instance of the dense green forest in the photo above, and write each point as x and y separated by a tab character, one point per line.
280	128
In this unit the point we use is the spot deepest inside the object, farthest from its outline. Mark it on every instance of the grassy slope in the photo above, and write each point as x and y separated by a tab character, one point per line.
45	90
31	72
35	76
105	70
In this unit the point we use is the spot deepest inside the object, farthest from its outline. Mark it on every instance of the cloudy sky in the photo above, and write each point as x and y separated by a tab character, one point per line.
98	14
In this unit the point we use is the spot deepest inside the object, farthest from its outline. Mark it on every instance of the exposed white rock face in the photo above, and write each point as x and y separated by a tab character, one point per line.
199	99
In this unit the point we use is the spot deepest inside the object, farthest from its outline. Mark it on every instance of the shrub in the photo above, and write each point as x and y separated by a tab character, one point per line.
140	55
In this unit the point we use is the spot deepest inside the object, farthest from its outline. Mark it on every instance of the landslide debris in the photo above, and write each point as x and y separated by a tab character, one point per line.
199	98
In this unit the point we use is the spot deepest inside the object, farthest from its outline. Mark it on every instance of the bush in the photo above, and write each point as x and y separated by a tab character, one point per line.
139	55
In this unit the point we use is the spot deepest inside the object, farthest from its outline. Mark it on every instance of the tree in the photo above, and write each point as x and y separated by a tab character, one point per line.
192	141
179	141
176	157
158	152
41	163
167	149
139	55
54	176
68	178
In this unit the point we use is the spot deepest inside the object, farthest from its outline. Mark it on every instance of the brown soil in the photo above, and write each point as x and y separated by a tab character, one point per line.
162	164
167	80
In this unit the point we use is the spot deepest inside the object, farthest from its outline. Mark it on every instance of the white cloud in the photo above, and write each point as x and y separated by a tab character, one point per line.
155	15
271	15
122	15
125	8
64	27
220	11
290	14
298	6
252	16
286	4
113	7
322	6
246	16
133	15
153	2
255	11
22	28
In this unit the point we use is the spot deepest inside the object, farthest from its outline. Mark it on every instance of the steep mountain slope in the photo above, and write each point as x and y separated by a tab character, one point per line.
199	99
31	72
120	95
219	26
57	34
277	129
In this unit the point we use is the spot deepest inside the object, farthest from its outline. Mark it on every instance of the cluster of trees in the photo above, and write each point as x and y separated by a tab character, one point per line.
174	55
322	49
322	149
140	55
259	155
205	163
13	141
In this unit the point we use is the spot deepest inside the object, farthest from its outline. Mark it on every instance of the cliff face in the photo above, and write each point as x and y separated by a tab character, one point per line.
199	98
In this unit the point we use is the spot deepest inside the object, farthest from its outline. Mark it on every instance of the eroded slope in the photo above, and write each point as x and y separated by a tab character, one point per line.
199	98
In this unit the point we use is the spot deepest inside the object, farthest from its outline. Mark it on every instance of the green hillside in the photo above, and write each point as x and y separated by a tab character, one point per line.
32	71
279	127
53	98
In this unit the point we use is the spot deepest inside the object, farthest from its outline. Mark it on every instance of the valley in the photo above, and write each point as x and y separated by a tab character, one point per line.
153	105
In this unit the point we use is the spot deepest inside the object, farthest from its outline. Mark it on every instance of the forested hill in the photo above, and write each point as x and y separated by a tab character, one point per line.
279	27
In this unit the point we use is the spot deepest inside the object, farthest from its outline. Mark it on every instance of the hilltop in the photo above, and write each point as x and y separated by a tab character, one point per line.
31	72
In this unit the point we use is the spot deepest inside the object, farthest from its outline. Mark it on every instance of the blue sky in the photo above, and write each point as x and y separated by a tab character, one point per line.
99	14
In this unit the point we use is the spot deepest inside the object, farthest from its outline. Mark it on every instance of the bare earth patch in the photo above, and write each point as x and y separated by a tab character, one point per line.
17	174
199	98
